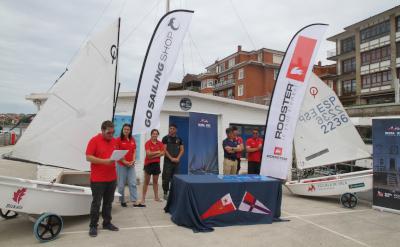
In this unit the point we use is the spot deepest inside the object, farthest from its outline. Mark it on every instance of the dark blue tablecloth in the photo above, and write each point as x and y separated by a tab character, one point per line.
192	195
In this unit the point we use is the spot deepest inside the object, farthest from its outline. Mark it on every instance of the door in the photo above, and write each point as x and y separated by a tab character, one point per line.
183	132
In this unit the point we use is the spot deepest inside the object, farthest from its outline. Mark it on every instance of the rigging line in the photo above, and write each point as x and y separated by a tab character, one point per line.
197	49
140	22
90	32
242	24
81	45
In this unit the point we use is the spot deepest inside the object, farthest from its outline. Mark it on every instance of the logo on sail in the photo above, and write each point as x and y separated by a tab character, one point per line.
113	53
301	58
18	195
171	24
278	151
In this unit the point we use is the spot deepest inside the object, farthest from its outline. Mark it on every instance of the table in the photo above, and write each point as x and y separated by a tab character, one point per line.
201	202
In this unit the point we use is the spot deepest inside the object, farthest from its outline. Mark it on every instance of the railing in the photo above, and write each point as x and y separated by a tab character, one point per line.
224	84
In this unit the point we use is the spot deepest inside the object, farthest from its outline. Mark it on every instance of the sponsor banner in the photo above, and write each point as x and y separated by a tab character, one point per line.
386	163
287	98
203	143
157	67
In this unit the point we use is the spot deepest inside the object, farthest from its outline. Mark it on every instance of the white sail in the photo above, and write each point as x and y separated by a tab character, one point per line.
324	133
76	107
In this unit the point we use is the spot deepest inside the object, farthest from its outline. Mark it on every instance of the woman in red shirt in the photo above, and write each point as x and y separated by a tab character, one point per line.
126	168
154	150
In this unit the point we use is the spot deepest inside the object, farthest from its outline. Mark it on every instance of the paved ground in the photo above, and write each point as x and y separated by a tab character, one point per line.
321	222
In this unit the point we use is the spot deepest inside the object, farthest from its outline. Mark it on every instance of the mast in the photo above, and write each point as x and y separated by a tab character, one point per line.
115	95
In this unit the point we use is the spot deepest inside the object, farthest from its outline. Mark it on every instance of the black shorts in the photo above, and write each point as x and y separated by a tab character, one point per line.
152	168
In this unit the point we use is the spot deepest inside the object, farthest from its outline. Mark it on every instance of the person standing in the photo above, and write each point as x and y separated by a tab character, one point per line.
174	150
102	177
253	148
239	140
230	146
126	168
154	150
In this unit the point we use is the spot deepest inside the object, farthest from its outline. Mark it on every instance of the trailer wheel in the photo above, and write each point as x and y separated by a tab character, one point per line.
349	200
8	214
47	227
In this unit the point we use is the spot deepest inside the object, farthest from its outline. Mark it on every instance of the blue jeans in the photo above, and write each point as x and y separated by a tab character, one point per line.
127	174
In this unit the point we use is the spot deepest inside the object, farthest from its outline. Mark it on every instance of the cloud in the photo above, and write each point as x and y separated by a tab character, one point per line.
39	38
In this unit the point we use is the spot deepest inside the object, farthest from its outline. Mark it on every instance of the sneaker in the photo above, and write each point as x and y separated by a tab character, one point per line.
111	227
123	204
93	231
166	196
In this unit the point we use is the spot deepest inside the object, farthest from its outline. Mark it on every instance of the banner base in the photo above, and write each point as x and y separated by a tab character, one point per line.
388	210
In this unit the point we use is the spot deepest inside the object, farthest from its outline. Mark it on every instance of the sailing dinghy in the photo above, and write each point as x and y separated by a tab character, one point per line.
83	98
325	136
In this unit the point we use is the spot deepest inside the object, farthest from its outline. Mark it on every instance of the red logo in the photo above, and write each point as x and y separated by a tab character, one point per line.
278	151
18	195
301	58
311	188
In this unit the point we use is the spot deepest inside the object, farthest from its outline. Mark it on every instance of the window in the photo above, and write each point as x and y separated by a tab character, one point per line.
398	49
347	45
349	65
240	74
398	24
375	31
203	84
276	71
231	63
221	93
221	67
377	79
259	57
240	90
349	87
210	83
230	92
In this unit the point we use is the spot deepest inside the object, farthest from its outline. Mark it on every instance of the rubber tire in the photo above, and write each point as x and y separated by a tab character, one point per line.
6	214
349	200
43	222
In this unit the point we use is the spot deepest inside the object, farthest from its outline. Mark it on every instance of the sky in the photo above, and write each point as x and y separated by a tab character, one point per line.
39	39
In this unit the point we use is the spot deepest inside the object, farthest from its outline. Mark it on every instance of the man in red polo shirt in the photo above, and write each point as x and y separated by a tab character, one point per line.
253	148
102	176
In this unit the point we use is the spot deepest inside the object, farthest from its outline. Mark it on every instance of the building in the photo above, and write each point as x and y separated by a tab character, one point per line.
226	110
190	82
368	59
327	73
244	75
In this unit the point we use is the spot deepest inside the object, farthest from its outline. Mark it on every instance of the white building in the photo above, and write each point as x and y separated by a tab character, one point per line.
229	112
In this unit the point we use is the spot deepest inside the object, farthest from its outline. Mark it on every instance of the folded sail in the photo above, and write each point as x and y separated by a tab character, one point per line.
76	107
324	133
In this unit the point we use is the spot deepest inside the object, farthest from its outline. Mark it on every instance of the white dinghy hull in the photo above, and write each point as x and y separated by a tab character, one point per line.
332	185
36	197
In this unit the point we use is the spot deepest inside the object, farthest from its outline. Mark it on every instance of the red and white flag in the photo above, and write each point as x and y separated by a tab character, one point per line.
251	204
222	206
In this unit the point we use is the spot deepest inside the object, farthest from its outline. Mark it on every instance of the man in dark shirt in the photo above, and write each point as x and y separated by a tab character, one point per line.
230	146
173	146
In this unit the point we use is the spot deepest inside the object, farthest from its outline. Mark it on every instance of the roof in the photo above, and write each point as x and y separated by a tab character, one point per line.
182	93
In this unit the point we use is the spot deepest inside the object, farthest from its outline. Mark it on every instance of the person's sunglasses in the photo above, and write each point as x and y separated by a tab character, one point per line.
109	132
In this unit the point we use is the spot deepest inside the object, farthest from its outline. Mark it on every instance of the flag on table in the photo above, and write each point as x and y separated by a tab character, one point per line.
251	204
222	206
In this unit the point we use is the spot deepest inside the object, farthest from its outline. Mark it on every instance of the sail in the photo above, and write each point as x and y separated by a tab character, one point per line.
75	108
286	100
324	133
158	65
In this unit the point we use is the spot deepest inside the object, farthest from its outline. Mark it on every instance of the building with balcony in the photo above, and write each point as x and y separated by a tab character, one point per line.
244	75
327	73
367	55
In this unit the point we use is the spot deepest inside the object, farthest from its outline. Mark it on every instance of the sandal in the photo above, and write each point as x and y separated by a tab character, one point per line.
139	205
